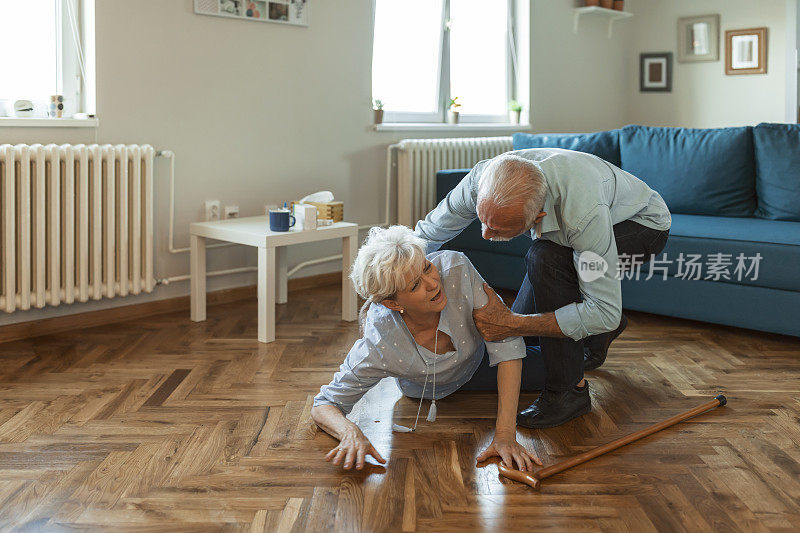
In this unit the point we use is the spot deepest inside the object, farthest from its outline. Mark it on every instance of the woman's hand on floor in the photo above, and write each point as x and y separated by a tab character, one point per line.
353	448
510	451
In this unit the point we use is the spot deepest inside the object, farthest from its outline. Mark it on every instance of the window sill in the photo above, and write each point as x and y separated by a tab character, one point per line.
17	122
438	126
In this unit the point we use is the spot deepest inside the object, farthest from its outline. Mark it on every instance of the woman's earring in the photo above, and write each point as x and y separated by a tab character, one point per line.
402	311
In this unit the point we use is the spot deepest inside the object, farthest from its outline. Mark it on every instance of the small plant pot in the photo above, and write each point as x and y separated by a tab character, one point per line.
619	5
607	4
452	117
592	3
513	116
378	116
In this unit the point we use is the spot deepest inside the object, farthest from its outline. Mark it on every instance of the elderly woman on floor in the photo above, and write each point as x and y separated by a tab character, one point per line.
418	328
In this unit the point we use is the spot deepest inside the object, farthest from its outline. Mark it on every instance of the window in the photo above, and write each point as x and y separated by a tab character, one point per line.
42	48
428	51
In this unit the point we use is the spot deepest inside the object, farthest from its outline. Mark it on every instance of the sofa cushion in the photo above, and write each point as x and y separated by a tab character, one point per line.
446	181
736	229
722	303
777	150
776	242
604	144
500	271
696	171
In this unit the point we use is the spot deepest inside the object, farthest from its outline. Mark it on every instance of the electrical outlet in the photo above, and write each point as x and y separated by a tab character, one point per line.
212	210
231	211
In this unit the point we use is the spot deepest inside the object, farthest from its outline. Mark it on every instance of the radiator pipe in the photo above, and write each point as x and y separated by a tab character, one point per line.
168	154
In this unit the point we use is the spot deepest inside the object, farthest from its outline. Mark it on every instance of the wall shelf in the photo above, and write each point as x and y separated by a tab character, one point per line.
612	15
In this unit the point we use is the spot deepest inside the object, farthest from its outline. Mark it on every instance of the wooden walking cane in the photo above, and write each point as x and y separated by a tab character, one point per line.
535	479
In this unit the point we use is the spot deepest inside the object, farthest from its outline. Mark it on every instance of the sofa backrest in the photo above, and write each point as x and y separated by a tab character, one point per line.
777	154
696	171
604	144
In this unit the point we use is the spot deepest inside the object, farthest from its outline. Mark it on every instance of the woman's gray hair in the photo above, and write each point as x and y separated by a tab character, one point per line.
383	263
509	179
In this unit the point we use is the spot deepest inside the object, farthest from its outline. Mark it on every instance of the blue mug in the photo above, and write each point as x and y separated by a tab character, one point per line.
279	220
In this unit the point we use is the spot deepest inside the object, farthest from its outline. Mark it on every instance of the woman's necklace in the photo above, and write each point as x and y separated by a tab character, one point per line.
432	411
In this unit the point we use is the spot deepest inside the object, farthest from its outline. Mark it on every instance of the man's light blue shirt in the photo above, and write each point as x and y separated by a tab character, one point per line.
586	196
388	349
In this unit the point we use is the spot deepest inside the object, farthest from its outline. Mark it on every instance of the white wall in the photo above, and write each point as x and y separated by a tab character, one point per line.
579	80
261	113
702	94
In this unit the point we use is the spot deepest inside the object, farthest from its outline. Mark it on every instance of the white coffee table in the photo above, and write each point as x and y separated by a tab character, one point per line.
254	231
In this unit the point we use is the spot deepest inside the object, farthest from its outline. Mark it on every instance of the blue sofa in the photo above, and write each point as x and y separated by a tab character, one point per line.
734	194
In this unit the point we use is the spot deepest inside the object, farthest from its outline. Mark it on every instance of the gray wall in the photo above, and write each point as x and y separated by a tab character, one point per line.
702	94
261	113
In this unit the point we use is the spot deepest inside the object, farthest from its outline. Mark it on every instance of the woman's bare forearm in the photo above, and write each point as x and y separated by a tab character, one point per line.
333	422
509	375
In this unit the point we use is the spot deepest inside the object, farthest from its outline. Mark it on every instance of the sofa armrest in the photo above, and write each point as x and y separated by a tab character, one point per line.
446	180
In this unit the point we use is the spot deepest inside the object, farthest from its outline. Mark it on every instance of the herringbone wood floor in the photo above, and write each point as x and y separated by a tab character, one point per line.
166	424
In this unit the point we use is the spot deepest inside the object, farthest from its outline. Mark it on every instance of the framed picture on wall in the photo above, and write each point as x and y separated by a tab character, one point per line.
698	38
294	12
655	72
746	51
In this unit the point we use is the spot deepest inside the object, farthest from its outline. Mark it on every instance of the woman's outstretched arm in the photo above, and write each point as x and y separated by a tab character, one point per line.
353	445
504	444
509	375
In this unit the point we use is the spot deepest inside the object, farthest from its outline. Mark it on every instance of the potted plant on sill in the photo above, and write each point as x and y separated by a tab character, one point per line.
514	111
377	109
452	110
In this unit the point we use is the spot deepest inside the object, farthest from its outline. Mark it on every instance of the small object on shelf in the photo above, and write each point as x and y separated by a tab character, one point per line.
592	3
377	108
453	110
56	108
514	111
23	108
607	4
619	5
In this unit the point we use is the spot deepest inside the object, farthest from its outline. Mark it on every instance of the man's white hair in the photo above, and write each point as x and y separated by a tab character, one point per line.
384	262
509	180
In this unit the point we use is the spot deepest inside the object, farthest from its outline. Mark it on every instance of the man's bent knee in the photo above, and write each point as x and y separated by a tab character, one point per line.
545	257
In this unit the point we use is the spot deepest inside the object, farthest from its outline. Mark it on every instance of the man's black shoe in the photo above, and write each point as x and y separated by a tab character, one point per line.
553	408
595	348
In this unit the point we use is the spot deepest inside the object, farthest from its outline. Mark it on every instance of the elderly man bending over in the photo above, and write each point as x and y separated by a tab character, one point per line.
580	211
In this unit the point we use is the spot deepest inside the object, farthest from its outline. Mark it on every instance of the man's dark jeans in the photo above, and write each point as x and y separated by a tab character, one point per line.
552	282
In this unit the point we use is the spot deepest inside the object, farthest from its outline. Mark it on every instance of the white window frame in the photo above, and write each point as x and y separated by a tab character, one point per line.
443	86
69	79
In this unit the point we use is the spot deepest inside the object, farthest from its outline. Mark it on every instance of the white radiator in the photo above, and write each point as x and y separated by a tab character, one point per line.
76	222
418	160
